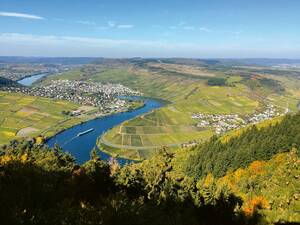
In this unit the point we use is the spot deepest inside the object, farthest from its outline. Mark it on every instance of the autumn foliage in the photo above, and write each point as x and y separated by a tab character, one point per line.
251	206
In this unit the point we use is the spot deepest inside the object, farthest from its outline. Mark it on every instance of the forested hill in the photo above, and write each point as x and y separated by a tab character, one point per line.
218	156
39	185
4	82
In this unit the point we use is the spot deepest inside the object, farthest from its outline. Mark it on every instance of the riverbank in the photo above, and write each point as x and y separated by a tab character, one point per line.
90	116
80	147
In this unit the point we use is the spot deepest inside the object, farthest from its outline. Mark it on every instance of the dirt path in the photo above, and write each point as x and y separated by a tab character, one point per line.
26	131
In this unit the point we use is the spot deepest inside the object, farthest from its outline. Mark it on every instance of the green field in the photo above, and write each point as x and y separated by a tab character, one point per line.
173	125
187	89
27	116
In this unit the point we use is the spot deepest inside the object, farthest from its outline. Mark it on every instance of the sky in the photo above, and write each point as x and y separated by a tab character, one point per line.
156	28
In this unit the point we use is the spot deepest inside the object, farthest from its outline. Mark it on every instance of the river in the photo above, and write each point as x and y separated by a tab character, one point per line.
28	81
81	146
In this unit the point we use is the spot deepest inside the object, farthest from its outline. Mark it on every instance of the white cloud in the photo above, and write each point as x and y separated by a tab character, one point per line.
85	22
185	26
205	29
29	38
125	26
21	15
189	28
39	45
111	24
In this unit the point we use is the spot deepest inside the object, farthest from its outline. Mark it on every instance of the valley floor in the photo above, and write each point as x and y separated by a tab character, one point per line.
187	88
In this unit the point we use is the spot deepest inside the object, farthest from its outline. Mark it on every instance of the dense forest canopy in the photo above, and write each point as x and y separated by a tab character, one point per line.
39	185
218	156
248	178
7	83
216	81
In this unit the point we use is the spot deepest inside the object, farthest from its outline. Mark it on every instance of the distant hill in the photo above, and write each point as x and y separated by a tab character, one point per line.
140	60
217	62
51	60
258	62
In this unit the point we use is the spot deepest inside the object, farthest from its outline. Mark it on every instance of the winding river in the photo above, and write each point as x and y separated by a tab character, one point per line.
80	146
28	81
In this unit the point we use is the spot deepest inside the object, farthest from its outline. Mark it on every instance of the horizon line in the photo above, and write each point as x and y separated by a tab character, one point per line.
141	57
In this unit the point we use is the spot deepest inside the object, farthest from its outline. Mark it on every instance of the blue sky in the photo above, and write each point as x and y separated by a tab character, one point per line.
157	28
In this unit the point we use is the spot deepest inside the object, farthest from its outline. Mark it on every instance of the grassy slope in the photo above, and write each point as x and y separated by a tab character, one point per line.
20	111
188	93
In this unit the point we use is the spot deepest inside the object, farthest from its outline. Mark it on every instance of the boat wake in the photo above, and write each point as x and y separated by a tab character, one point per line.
77	136
68	141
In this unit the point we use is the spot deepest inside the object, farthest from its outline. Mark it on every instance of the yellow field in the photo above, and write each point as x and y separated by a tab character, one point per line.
27	116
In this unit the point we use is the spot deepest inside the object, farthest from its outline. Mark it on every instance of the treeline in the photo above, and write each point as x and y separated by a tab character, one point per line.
217	156
4	82
39	185
270	186
216	81
262	82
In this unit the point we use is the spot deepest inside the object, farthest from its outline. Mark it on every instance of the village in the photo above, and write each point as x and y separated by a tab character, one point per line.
102	96
18	71
225	122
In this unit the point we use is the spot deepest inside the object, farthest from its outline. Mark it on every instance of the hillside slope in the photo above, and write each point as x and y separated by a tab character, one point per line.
44	186
4	82
218	156
271	188
192	90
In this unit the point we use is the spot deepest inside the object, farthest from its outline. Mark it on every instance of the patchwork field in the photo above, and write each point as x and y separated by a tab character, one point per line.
27	116
173	125
186	87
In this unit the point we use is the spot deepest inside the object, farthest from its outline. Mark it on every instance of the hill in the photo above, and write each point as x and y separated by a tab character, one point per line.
4	82
44	186
186	86
218	155
51	60
268	187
